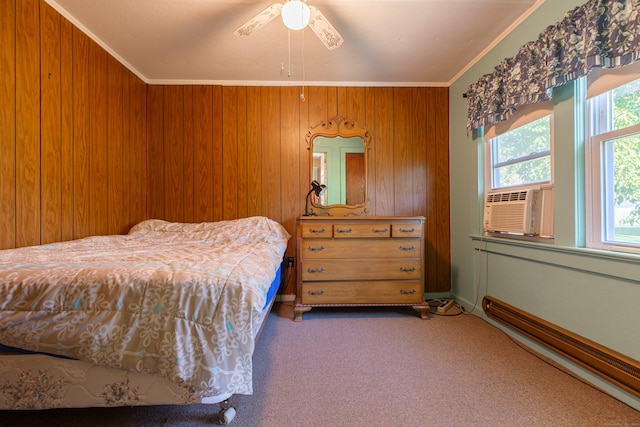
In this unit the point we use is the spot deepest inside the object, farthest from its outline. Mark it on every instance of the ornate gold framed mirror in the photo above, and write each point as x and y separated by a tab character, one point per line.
338	160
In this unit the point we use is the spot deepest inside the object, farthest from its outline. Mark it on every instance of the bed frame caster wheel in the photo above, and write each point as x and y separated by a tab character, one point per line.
225	416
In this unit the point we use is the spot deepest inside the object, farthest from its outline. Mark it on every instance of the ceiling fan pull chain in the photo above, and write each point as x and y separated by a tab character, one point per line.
303	75
289	40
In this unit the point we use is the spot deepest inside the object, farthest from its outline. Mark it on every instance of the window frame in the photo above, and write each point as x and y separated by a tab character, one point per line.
490	156
596	166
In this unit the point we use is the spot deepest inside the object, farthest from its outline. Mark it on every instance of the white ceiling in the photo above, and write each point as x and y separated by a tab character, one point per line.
387	42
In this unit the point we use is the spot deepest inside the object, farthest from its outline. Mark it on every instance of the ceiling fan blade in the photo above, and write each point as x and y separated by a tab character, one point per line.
259	21
324	30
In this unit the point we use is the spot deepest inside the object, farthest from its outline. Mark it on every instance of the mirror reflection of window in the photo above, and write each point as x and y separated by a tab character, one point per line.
319	173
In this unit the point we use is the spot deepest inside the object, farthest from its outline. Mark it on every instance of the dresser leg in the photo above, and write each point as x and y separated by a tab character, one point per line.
423	310
297	312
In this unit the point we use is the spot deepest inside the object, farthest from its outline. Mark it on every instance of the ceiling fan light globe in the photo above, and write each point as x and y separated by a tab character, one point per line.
295	14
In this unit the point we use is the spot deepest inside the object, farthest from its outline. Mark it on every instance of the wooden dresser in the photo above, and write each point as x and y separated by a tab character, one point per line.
359	261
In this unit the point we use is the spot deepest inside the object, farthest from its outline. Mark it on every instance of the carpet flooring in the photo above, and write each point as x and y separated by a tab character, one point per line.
382	367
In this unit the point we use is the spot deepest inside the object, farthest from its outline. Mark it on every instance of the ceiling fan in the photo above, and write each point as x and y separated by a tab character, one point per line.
296	15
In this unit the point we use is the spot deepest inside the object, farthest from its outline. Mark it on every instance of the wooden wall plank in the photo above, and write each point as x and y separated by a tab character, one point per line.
138	147
66	136
98	139
114	146
203	146
402	152
332	103
254	152
28	209
230	152
271	152
242	184
155	143
341	101
290	156
419	149
291	179
50	132
189	154
8	124
319	105
218	189
122	218
81	132
356	105
383	131
305	173
370	119
174	153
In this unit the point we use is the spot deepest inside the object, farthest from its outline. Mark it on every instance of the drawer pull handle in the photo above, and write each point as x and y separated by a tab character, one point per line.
319	248
320	292
406	230
317	270
343	230
319	230
407	270
379	230
404	248
411	292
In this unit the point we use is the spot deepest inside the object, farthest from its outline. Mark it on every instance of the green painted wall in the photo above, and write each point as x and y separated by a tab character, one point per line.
595	294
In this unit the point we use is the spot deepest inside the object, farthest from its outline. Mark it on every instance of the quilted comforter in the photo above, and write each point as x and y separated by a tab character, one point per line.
181	301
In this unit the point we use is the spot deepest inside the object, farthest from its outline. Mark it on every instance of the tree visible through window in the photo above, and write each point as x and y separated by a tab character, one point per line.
522	156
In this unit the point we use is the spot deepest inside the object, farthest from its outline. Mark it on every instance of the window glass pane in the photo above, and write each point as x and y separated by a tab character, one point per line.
626	105
522	156
621	189
529	139
529	172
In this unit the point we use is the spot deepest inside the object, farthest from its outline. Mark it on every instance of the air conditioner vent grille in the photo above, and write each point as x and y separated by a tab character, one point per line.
506	197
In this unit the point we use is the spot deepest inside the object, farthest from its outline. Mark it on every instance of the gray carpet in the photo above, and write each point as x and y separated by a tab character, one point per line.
382	367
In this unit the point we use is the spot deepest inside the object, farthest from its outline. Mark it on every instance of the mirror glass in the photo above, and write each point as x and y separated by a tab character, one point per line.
338	159
338	163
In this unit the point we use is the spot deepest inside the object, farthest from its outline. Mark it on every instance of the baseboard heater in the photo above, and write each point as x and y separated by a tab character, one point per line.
608	364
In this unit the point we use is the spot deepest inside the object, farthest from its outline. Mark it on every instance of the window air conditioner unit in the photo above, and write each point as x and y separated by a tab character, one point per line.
513	212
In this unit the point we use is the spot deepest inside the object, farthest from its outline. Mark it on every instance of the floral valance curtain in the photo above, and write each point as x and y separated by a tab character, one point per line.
600	33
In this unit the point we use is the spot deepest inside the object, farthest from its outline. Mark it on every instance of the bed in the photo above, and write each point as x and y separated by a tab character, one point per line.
166	314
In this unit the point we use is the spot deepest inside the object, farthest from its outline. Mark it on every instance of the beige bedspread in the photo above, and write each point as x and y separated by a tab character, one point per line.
181	301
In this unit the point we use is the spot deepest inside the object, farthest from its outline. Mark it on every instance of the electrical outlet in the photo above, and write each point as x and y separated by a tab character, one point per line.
290	262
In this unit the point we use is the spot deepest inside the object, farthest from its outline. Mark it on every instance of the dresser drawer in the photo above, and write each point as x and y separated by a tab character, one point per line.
406	230
362	230
361	269
357	292
314	230
360	248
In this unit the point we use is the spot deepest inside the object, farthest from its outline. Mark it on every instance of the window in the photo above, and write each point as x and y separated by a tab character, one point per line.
519	174
613	169
521	157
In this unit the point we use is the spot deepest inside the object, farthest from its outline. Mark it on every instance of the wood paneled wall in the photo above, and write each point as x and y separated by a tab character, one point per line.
87	148
72	132
229	152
